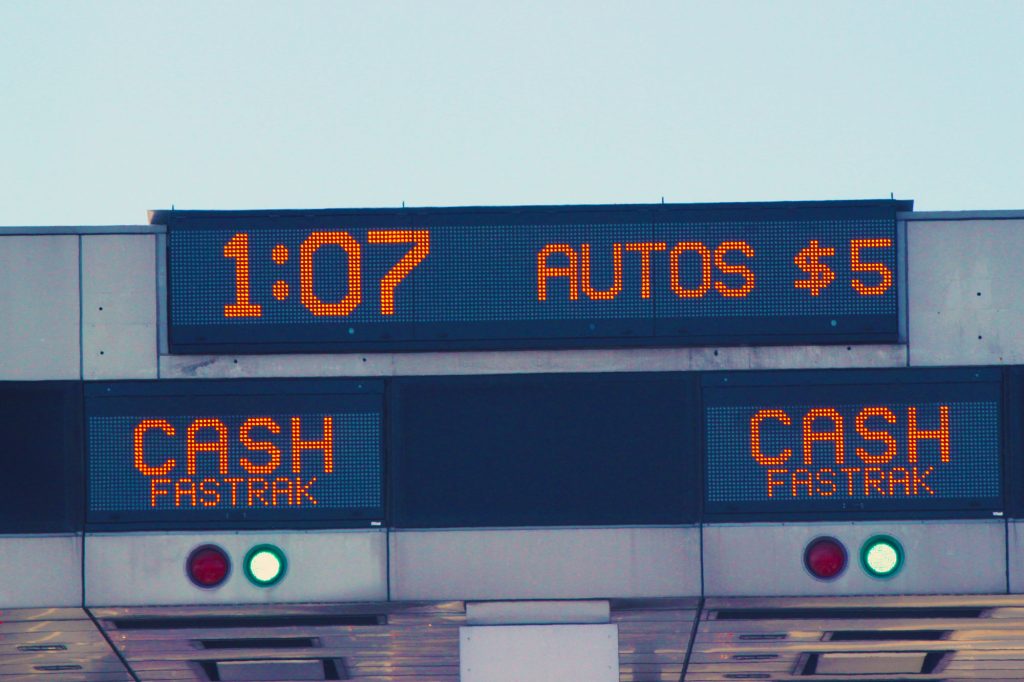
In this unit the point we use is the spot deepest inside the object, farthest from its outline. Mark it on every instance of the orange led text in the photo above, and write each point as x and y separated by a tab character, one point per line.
574	266
878	452
237	249
273	469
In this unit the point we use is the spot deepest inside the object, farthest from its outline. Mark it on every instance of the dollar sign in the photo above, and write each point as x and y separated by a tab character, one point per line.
820	275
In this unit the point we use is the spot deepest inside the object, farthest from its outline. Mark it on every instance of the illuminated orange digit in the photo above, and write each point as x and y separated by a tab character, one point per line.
281	487
140	434
210	494
917	482
544	271
325	445
302	491
238	249
825	480
415	255
256	488
260	445
748	276
884	436
588	288
857	265
645	249
773	481
755	439
899	476
234	483
801	478
876	484
354	296
811	436
155	492
940	434
705	269
194	447
184	487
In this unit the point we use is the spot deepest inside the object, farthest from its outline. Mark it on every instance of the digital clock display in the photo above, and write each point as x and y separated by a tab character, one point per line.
860	442
243	451
574	276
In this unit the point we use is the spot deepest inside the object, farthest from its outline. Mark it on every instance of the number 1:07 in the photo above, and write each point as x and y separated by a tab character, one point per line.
237	249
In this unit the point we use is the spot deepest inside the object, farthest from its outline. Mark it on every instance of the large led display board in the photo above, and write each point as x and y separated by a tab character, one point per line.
853	442
533	277
223	453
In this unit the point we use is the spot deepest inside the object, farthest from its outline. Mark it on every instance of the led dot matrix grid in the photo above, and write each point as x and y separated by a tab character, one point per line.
735	476
488	273
117	485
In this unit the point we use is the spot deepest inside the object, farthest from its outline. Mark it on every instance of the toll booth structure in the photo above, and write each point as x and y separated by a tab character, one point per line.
620	442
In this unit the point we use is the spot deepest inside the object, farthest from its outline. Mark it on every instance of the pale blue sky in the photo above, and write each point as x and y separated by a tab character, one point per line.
112	108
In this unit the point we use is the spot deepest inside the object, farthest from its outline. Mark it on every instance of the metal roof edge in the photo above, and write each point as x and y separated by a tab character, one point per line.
961	215
80	229
163	214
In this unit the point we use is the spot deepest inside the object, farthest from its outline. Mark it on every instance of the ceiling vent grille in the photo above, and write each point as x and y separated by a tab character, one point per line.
259	643
228	622
946	612
886	635
273	670
857	665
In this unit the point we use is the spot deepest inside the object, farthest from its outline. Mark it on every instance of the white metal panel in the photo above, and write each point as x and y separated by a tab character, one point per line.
39	308
40	570
941	557
530	362
564	563
119	316
539	653
966	295
129	569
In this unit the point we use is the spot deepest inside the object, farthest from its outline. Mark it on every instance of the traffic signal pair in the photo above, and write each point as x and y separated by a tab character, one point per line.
208	566
881	556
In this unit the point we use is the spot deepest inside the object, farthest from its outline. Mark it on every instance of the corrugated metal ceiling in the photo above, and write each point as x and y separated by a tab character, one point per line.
868	639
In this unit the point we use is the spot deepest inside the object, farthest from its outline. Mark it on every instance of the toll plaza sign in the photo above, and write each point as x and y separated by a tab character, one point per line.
853	442
508	277
237	452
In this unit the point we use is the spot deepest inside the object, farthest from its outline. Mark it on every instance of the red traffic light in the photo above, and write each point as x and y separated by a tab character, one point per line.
207	566
825	558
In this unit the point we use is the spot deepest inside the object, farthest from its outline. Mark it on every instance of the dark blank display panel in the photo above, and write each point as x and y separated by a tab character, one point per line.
1015	441
544	450
541	277
235	453
851	442
40	484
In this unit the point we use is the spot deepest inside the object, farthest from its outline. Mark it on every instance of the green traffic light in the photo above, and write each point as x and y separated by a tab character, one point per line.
265	565
882	556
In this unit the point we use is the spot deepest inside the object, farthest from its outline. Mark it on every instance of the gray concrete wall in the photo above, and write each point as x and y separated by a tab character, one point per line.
966	291
39	307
